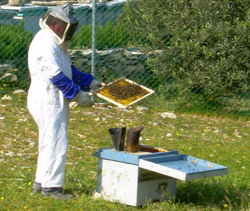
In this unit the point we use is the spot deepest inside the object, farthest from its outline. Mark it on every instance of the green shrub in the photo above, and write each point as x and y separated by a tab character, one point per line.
205	44
82	38
14	41
109	36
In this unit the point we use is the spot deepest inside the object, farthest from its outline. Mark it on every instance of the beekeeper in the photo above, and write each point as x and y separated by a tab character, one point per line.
54	83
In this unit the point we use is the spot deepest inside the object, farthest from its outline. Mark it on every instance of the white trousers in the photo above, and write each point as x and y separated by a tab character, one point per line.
53	144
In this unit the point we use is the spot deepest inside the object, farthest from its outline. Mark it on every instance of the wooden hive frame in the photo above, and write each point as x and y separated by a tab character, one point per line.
100	94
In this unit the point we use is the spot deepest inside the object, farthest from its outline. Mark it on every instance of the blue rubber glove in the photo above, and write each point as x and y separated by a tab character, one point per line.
67	86
82	79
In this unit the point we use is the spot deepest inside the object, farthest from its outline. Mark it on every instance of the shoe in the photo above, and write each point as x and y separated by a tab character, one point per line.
37	188
56	193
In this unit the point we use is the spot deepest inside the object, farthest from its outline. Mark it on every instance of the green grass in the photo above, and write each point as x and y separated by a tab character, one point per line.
221	140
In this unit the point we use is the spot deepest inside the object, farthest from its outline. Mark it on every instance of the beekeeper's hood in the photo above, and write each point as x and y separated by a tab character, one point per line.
64	13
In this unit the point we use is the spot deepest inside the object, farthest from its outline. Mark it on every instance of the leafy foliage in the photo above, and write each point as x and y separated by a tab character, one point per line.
14	43
13	46
204	44
109	36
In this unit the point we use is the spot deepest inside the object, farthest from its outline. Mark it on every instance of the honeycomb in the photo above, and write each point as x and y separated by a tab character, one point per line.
123	92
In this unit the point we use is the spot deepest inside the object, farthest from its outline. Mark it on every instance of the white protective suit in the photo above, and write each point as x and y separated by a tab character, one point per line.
48	106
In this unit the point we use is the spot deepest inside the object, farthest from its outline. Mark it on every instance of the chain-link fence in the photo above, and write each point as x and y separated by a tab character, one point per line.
194	54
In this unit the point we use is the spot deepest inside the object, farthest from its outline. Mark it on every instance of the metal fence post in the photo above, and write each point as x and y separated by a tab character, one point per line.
93	37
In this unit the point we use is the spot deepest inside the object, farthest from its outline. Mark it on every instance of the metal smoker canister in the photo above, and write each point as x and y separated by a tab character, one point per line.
133	136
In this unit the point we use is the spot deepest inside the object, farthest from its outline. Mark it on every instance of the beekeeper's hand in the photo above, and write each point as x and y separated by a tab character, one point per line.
83	99
96	85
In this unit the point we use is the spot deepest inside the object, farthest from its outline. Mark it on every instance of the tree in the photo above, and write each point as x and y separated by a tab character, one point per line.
204	44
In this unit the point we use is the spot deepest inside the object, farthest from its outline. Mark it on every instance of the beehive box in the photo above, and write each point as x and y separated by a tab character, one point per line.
145	176
124	92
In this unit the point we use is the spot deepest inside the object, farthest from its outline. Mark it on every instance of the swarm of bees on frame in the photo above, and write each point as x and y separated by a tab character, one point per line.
123	92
